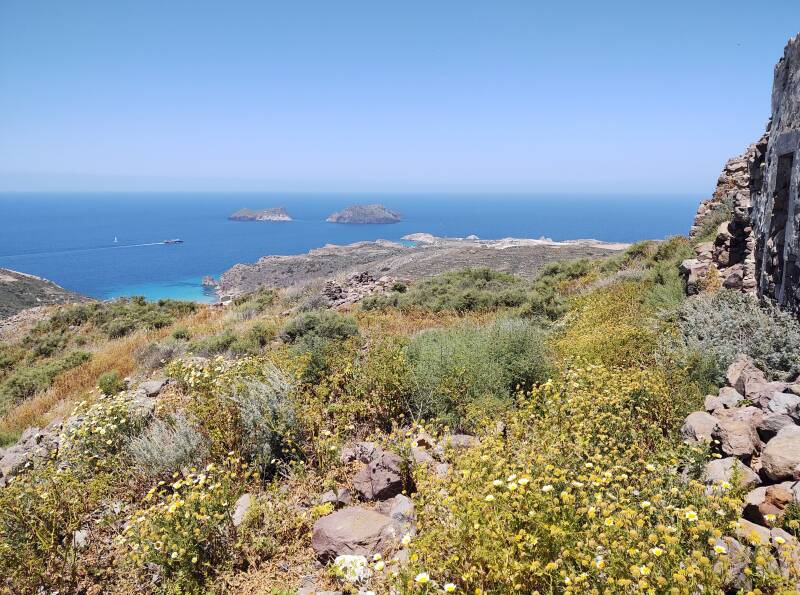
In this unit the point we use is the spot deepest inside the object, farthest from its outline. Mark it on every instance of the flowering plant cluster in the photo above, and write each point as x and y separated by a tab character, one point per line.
189	524
101	430
580	503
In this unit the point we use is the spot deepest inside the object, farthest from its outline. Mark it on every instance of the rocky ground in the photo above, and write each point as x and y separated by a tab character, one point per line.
752	427
431	256
19	291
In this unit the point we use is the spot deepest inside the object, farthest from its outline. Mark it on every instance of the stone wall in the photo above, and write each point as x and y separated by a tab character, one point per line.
727	259
755	249
775	216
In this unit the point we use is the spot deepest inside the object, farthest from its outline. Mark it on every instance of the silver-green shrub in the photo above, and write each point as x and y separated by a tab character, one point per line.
723	324
167	445
267	417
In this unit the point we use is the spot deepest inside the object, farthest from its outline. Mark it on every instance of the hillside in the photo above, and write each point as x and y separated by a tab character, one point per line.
430	257
19	291
625	423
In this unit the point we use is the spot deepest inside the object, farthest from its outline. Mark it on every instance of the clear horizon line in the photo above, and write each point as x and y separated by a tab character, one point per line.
362	192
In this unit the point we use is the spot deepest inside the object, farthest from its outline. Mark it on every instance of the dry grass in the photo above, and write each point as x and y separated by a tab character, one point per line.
71	386
395	322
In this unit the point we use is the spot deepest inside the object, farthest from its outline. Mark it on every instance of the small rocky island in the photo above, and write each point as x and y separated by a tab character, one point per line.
277	214
365	214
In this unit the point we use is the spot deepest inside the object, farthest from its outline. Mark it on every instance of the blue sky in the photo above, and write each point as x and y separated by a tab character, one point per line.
383	96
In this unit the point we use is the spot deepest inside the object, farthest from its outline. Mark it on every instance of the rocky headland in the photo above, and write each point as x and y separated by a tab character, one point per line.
362	214
430	256
19	291
275	214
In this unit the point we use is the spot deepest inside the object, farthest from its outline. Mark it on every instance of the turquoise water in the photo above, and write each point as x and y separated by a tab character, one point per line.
69	237
186	289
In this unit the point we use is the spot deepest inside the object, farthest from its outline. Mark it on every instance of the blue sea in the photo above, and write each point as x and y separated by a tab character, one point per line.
69	237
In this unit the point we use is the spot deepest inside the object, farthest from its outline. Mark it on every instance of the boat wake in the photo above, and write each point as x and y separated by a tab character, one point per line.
81	250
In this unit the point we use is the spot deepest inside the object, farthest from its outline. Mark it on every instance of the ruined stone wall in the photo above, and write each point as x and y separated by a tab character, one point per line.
775	214
727	260
757	249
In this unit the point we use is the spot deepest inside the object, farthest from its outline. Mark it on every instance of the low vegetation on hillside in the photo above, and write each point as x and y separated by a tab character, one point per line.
575	386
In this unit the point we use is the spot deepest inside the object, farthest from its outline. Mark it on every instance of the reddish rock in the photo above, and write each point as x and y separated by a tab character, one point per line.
381	479
353	531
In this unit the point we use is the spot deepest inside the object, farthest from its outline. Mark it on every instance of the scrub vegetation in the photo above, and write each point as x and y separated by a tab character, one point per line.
574	384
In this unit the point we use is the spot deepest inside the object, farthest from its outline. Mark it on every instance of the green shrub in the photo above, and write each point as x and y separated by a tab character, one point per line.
181	334
120	317
460	372
47	344
266	418
547	295
325	324
26	382
110	383
39	514
258	301
466	290
253	341
242	405
189	547
102	431
726	323
213	345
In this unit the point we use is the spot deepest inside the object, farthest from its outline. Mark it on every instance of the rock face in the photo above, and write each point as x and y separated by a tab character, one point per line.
276	214
730	254
19	291
757	249
365	214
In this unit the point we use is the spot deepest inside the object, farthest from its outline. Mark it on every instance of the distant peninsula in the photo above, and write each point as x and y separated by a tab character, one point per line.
278	214
365	214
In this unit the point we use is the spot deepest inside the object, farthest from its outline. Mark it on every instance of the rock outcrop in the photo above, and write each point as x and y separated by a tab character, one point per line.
365	214
767	463
757	437
276	214
353	289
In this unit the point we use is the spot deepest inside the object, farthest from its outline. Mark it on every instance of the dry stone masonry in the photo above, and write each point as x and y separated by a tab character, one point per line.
756	249
775	219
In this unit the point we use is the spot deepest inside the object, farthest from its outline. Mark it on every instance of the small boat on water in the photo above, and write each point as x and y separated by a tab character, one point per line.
175	241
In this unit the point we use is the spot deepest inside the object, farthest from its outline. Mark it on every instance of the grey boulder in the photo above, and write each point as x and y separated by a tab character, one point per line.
782	454
152	388
698	427
730	470
771	424
737	436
